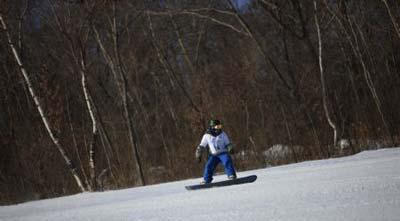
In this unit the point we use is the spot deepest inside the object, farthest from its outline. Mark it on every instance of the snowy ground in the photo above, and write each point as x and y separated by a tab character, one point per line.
361	187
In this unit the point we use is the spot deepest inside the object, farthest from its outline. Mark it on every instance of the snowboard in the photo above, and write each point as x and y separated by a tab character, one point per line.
241	180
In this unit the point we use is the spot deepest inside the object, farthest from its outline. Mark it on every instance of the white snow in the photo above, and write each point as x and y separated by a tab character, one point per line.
362	187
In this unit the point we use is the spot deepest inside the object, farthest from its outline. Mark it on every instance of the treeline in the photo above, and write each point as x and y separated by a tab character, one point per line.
112	94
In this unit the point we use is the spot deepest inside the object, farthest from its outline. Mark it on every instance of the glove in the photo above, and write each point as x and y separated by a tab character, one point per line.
230	148
198	154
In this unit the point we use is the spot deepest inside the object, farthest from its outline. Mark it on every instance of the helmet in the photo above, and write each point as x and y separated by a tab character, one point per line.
215	124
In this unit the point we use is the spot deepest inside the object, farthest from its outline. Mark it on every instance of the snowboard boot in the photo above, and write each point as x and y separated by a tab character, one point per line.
204	182
232	177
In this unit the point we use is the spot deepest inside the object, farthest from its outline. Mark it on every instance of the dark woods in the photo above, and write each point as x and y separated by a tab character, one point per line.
111	94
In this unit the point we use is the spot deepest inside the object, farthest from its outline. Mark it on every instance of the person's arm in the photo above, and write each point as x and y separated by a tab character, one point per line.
228	144
200	148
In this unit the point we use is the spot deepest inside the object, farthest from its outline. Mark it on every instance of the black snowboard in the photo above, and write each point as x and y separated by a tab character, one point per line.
247	179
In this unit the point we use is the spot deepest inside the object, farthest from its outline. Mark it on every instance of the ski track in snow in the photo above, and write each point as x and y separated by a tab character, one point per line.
362	187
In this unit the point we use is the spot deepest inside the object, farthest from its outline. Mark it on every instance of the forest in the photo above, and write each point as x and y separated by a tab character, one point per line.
108	94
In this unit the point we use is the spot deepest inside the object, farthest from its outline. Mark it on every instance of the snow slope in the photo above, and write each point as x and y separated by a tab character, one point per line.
363	187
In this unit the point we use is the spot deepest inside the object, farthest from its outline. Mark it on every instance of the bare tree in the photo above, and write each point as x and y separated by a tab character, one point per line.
323	83
79	56
355	46
117	69
40	109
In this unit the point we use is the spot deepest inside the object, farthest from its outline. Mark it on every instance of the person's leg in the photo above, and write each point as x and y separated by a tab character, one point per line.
212	162
228	165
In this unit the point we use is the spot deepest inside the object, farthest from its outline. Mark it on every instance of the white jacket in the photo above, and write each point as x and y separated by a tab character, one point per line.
217	145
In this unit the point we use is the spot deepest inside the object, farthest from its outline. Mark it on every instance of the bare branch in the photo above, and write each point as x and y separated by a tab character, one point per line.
193	13
395	24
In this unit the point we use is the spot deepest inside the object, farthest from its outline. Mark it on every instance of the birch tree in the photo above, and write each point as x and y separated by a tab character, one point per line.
322	74
36	100
79	56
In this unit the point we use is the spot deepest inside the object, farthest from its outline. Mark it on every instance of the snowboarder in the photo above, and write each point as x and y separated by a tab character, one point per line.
219	147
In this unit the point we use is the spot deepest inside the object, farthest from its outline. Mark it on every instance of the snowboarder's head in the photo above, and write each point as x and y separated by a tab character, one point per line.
215	127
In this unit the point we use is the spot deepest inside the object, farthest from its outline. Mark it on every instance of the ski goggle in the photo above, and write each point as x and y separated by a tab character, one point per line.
218	127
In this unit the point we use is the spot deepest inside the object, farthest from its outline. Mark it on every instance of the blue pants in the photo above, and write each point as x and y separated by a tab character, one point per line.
213	162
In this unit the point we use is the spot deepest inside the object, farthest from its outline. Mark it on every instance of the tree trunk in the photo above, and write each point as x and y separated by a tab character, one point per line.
181	45
71	127
39	108
92	147
367	75
289	134
121	81
395	24
323	84
124	92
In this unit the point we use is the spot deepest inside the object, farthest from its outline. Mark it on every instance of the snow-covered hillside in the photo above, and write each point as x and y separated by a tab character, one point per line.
361	187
